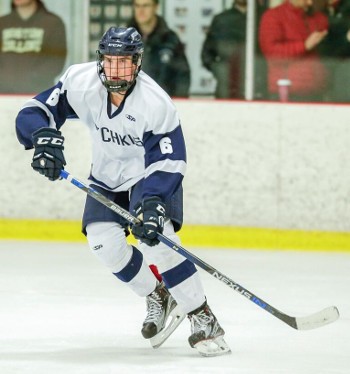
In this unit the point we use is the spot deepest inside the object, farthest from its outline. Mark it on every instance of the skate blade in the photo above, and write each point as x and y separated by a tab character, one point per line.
173	321
213	347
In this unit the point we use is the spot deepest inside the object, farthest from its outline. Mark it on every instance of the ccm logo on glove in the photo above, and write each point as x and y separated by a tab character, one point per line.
48	158
53	141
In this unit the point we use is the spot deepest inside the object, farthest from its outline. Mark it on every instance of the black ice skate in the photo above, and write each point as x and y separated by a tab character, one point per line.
207	335
163	316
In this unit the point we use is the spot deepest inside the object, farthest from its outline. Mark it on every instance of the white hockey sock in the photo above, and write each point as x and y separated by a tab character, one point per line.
108	243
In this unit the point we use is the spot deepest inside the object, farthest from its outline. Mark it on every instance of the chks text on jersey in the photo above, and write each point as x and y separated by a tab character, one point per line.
123	140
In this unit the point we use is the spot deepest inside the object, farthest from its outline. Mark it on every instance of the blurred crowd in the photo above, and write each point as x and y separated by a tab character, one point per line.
302	49
301	54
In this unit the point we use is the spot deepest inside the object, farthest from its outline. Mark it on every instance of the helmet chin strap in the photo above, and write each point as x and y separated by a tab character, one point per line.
118	86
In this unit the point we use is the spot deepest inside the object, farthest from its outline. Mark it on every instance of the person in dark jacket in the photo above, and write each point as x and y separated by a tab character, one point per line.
164	57
224	49
32	47
335	48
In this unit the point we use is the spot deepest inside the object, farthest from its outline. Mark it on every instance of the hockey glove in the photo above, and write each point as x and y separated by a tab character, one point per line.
48	158
152	211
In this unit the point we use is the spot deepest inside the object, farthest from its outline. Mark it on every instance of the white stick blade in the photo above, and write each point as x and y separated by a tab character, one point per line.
322	318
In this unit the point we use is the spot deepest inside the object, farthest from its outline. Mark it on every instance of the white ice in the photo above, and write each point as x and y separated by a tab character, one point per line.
62	312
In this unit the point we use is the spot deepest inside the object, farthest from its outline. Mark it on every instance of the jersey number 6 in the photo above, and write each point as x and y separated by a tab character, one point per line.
165	145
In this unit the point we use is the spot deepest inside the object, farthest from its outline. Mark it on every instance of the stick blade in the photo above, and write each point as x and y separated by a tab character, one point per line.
319	319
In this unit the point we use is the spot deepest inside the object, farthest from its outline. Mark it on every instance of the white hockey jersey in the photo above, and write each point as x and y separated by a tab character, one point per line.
140	139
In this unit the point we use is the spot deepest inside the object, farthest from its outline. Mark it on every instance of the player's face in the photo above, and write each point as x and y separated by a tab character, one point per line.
144	11
118	67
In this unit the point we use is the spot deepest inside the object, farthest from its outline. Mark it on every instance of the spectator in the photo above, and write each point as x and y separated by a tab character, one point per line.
164	59
288	35
223	53
32	47
335	48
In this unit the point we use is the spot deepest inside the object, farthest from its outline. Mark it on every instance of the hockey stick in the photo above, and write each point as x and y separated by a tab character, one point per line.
309	322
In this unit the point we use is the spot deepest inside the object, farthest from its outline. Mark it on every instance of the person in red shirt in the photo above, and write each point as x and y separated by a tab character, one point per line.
288	37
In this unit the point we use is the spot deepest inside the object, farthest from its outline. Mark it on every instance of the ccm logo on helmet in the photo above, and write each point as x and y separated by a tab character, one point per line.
117	45
47	140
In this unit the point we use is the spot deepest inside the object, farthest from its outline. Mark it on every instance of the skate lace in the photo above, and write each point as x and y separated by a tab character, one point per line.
154	307
200	321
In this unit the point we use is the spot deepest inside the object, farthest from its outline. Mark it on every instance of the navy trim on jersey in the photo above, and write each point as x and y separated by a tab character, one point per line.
121	106
29	120
178	274
132	268
109	108
60	111
154	151
33	117
162	184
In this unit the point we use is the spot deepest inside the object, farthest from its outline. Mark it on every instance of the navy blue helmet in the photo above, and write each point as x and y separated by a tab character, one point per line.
119	41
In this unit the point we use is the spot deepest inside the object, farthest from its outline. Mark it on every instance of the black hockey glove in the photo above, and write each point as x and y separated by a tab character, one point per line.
48	158
152	211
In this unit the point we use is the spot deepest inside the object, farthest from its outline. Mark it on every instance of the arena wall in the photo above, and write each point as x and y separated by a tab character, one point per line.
250	165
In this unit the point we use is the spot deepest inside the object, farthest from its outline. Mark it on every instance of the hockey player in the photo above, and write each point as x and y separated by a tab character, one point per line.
138	161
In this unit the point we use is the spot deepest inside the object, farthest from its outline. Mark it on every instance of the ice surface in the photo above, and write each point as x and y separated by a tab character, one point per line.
62	312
